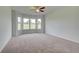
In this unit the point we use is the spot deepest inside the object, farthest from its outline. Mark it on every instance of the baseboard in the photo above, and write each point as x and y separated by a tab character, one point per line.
66	38
4	44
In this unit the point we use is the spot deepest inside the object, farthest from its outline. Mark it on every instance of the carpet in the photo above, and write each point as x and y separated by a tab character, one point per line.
40	43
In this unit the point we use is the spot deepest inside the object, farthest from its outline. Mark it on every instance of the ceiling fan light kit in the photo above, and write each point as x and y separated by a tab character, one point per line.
37	10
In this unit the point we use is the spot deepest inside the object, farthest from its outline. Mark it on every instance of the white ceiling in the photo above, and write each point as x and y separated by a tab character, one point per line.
28	10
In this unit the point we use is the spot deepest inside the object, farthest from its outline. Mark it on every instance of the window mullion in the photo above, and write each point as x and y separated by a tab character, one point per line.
29	24
36	24
22	24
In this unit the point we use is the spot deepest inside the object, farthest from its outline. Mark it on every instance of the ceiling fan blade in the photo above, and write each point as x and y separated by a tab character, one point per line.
42	8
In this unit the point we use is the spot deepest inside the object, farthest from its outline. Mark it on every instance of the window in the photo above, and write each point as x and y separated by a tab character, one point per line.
19	23
38	23
25	23
32	23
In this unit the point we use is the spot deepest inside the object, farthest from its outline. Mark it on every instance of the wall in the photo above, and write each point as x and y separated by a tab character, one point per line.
5	25
64	23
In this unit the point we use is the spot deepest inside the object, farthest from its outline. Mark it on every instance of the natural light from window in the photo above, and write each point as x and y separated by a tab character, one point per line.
28	23
25	23
32	23
19	23
38	23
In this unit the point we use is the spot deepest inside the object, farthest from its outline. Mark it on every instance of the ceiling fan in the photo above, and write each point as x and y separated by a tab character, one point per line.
38	8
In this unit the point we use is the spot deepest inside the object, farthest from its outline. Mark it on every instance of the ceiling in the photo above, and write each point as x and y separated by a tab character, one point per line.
28	10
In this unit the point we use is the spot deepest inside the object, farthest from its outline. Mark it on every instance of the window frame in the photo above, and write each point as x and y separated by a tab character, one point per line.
29	23
26	23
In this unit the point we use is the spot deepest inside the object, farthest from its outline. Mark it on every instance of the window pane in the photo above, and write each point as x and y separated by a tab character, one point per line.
38	23
25	20
19	26
19	19
25	23
32	24
39	20
25	26
19	23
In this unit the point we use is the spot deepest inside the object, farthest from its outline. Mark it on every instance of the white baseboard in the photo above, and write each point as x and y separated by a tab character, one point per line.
4	44
66	38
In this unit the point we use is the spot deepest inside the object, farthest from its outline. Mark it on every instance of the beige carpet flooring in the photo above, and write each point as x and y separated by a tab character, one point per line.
40	43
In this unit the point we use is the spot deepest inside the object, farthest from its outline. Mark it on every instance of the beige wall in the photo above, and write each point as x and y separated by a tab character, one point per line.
64	23
5	25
